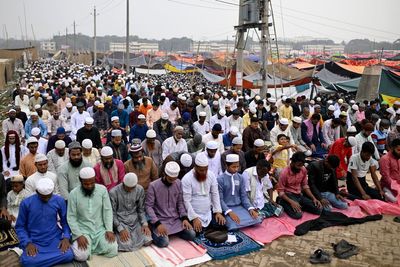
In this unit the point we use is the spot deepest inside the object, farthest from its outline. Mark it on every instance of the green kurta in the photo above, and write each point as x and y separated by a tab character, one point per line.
68	177
92	217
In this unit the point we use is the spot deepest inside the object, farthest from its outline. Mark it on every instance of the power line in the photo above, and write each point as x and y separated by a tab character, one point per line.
201	6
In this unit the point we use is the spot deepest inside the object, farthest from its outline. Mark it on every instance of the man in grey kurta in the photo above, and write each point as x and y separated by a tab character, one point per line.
68	172
129	217
57	156
165	207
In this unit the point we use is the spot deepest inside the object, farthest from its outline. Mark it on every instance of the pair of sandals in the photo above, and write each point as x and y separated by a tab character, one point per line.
342	250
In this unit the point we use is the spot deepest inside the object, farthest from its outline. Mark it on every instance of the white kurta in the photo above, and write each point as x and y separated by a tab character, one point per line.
67	116
214	164
200	197
224	122
31	182
42	148
208	137
12	159
77	122
55	160
330	134
170	145
23	103
201	129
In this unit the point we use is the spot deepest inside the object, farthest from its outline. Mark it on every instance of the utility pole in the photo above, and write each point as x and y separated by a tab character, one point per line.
74	48
240	47
127	39
66	37
264	45
94	38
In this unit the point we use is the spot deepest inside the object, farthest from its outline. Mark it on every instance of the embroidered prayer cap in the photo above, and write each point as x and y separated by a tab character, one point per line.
172	169
101	105
201	160
59	144
272	100
253	110
17	178
186	160
259	143
232	158
114	118
352	141
69	105
234	130
96	103
297	119
40	157
141	117
45	186
106	151
135	148
31	140
87	173
89	120
343	113
38	106
130	179
151	134
340	101
212	145
87	143
116	132
284	121
35	131
237	141
60	130
204	102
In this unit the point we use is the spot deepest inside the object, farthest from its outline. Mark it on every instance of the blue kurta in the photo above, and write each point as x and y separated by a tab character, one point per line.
37	224
238	202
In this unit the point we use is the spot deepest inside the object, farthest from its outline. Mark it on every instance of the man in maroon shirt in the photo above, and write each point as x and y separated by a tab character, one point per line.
390	169
292	182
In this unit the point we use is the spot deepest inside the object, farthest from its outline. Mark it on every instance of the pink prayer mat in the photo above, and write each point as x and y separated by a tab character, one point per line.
179	250
375	206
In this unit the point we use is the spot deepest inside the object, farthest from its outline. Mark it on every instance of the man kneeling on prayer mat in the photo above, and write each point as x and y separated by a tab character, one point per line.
42	239
129	217
235	204
90	218
165	208
260	189
201	197
292	182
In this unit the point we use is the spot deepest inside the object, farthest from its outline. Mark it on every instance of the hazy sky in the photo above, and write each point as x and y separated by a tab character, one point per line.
202	19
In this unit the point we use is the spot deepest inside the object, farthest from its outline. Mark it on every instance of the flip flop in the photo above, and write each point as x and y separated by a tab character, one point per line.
344	249
320	257
397	219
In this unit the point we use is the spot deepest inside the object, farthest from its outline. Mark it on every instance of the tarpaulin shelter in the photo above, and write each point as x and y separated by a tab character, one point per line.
368	88
6	71
389	86
282	71
344	70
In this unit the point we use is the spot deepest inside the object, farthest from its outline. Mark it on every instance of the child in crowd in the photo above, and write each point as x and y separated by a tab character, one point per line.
15	196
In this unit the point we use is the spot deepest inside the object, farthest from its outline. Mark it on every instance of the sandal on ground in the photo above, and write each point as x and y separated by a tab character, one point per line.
397	219
344	250
320	257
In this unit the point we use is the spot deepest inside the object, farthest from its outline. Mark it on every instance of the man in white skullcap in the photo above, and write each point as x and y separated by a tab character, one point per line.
15	197
201	126
118	146
255	154
67	113
343	148
89	154
152	147
12	123
214	158
129	216
88	131
204	107
229	136
235	204
68	172
236	148
175	143
163	128
109	171
140	129
42	228
295	131
43	114
90	218
42	148
27	164
281	128
200	195
329	113
221	119
163	194
57	156
78	120
41	163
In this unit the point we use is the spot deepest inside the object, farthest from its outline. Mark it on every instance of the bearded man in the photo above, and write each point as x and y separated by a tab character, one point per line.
109	171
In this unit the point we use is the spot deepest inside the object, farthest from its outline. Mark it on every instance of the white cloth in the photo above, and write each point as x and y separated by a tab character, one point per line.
42	148
201	129
277	131
330	134
224	122
31	182
67	116
362	167
55	160
200	197
93	158
214	164
170	145
12	159
222	102
206	109
237	123
259	198
208	137
360	141
23	103
77	122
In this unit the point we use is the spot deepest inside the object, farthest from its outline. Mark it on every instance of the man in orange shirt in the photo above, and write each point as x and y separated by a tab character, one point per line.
27	165
145	106
343	149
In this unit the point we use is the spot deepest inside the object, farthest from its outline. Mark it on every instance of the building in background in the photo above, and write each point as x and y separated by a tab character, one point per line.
48	46
134	47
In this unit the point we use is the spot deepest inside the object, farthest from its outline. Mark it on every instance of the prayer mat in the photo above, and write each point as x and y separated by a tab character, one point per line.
8	239
73	264
375	206
222	251
9	259
124	259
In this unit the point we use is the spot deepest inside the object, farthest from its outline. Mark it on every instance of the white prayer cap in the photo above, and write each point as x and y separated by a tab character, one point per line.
224	93
141	117
172	169
178	128
259	143
34	114
318	99
234	130
352	101
312	102
114	118
398	111
17	178
257	97
201	160
391	111
89	120
45	186
87	143
397	103
40	157
232	158
69	105
331	108
354	107
31	140
116	132
212	145
87	173
222	112
228	105
35	131
186	160
398	123
37	106
59	144
297	119
215	103
352	129
106	151
329	102
202	114
165	116
12	110
151	134
284	121
271	100
253	110
237	141
352	140
130	179
340	101
96	103
204	102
